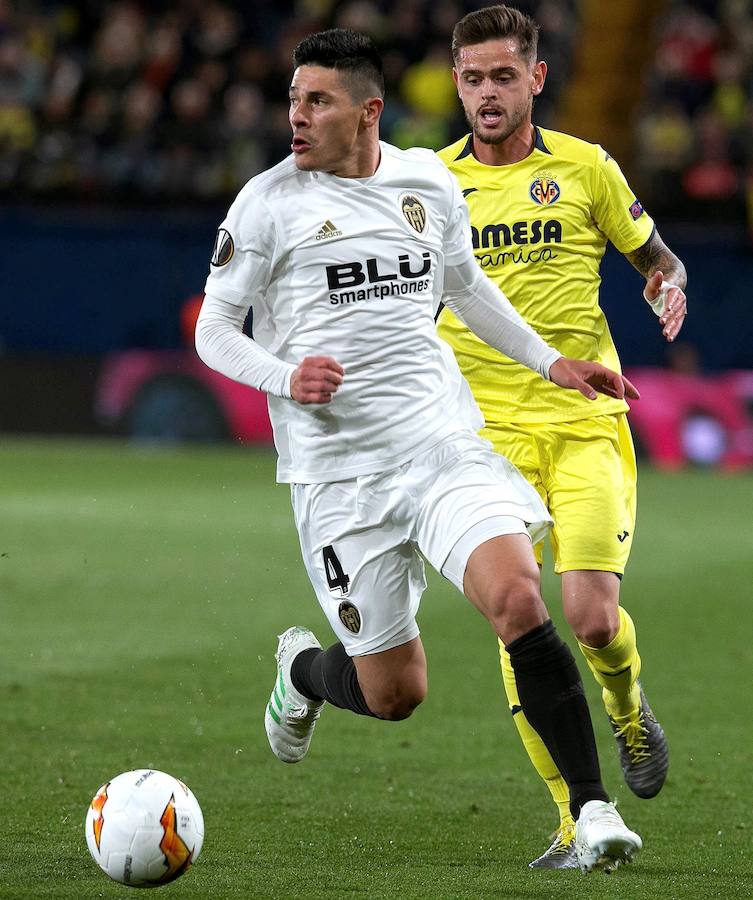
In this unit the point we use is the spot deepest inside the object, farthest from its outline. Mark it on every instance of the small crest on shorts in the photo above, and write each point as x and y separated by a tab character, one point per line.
223	248
414	212
349	616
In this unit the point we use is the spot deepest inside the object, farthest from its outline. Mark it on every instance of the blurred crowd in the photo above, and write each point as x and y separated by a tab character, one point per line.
695	136
184	101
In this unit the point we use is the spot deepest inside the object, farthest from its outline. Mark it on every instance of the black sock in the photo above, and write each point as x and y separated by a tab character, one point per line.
329	675
551	694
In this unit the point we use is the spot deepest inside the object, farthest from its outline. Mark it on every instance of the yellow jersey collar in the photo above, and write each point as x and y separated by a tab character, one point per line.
538	144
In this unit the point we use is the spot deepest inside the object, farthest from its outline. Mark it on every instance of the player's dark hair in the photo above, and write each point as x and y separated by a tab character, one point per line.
493	23
349	52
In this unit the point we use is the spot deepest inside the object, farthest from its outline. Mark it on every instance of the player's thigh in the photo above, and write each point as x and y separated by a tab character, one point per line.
368	579
502	581
591	489
471	489
518	444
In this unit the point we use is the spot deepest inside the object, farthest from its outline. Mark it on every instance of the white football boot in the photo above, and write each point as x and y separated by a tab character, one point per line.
290	717
602	840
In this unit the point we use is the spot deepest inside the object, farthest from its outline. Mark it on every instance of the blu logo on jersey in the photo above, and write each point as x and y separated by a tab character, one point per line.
352	274
544	191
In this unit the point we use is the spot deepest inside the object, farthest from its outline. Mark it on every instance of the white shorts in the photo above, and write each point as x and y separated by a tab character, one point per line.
361	538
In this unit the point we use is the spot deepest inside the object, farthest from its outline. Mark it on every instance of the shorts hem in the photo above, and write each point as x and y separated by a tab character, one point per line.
485	529
539	527
590	566
397	640
588	412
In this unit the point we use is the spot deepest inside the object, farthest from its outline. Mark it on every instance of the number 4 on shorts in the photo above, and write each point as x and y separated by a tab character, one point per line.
336	578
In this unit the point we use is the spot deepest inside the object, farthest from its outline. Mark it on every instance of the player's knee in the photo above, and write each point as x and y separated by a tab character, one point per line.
591	606
595	634
398	704
515	605
594	627
397	710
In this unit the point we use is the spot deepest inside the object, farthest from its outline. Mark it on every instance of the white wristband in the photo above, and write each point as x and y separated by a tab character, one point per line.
658	303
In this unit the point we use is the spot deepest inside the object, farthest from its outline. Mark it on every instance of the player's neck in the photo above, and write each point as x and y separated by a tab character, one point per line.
514	148
361	163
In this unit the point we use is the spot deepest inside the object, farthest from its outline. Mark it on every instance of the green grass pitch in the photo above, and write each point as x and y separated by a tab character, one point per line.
140	595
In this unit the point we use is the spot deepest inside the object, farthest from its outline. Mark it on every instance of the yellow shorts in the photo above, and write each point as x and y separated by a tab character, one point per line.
585	472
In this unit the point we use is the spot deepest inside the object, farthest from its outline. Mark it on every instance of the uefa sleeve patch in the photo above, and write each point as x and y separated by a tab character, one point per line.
636	210
224	248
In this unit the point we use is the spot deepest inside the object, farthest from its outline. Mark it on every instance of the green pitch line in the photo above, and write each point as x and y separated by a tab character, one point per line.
141	593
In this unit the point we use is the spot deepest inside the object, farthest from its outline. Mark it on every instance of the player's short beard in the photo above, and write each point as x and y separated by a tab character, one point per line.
516	120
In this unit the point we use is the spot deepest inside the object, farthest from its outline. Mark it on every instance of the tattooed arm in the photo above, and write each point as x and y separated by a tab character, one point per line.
655	256
665	282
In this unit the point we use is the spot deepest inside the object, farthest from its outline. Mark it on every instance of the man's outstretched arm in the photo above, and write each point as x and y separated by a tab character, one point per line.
485	309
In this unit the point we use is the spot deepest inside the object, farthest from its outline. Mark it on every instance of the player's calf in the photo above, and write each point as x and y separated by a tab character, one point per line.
551	695
386	685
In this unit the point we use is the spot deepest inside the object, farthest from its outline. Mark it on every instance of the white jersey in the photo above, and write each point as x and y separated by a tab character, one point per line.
353	269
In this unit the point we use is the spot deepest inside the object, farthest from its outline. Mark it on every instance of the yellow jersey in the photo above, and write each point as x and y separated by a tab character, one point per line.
540	228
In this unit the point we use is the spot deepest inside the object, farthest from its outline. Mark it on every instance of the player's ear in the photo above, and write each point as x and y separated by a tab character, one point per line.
372	110
456	79
539	77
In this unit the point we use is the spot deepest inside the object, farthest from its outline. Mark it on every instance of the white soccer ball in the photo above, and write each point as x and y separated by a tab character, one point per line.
144	828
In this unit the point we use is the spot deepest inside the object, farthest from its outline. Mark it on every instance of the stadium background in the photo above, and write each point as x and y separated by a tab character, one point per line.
139	590
127	128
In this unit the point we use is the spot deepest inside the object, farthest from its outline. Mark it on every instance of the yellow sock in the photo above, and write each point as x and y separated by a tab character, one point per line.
535	747
616	668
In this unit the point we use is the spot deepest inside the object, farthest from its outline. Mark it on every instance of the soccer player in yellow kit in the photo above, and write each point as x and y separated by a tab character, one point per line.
542	207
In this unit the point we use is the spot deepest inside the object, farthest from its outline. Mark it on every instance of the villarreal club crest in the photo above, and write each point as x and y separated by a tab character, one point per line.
544	190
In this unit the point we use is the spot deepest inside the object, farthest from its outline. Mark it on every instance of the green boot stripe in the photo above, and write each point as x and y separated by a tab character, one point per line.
281	682
273	714
276	698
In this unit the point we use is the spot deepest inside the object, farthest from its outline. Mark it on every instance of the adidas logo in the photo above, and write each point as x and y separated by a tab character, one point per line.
328	230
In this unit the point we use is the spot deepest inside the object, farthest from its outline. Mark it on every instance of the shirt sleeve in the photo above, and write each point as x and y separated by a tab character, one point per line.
221	344
617	211
457	234
244	252
481	306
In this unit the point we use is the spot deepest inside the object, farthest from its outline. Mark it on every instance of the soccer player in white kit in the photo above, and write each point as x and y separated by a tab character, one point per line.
345	250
